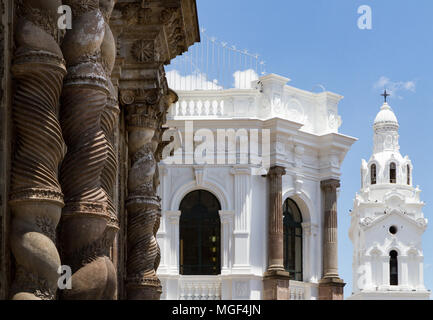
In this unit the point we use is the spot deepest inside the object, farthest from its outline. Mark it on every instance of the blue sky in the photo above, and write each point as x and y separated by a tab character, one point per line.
318	42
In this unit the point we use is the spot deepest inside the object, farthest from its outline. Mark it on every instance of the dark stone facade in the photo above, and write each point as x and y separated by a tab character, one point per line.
80	120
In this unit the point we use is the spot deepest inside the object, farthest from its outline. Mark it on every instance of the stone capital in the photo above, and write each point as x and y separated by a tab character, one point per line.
277	171
330	185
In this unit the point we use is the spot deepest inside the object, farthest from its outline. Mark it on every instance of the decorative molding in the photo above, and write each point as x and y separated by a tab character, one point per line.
200	175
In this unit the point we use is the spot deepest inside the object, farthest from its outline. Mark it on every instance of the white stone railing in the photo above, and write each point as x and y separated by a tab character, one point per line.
200	288
198	107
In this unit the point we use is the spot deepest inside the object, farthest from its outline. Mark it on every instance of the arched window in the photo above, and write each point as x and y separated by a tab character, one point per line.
200	234
408	175
373	174
393	268
292	223
392	173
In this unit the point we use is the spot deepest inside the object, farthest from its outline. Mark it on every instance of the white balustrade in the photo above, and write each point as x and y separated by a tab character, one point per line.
196	107
200	288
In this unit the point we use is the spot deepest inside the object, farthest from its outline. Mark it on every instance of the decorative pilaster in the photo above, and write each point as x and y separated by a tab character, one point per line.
276	279
88	114
242	228
227	236
36	199
331	286
173	218
306	238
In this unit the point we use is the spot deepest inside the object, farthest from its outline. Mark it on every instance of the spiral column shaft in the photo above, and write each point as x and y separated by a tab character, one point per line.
36	199
88	172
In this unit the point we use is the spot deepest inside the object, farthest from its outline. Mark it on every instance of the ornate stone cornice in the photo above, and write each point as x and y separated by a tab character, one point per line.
160	30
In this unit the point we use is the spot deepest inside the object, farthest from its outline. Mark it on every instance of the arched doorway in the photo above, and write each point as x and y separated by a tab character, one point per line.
292	224
200	234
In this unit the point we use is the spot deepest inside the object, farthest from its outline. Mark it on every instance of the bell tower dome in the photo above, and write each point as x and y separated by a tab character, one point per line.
387	221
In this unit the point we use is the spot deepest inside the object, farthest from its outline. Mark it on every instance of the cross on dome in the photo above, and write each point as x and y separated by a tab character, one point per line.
385	95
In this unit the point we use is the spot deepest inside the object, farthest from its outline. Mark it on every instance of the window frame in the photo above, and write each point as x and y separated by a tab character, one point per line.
193	223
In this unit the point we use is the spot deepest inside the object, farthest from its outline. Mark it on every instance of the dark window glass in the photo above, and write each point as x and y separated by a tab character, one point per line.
292	223
393	268
392	173
373	174
200	234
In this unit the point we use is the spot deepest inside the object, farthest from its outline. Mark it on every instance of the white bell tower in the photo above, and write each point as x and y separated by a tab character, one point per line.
387	221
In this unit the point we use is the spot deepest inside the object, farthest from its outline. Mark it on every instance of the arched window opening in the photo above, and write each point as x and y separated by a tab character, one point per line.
200	234
392	173
373	174
408	175
393	268
292	223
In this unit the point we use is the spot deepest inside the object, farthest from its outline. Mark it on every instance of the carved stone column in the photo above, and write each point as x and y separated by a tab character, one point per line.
276	279
36	199
149	34
142	203
331	286
146	114
88	115
109	119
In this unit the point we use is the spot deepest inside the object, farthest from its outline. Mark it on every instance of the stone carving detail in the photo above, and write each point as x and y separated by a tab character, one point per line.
145	122
36	199
143	50
89	112
142	204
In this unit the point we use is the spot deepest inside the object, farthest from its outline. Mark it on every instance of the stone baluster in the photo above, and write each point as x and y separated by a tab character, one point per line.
36	199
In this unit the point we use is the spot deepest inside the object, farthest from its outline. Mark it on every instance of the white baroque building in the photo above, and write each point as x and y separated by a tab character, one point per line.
387	221
214	233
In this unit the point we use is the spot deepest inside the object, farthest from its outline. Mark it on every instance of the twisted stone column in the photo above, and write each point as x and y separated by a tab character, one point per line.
331	286
36	199
276	279
109	119
87	174
145	119
143	204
